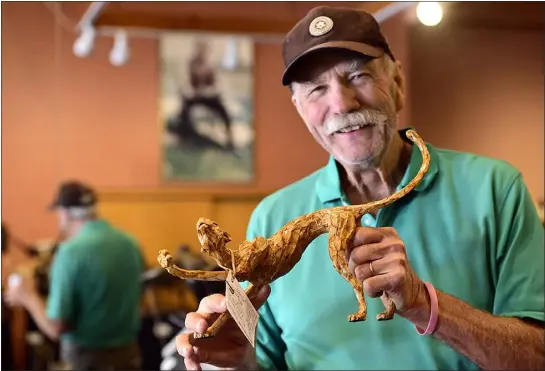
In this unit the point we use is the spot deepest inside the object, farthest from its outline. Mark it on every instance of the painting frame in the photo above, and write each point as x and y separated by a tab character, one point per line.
206	108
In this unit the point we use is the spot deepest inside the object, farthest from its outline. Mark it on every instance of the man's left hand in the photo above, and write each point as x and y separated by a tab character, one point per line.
19	294
377	258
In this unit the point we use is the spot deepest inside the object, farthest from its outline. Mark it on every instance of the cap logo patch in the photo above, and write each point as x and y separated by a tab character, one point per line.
86	198
320	26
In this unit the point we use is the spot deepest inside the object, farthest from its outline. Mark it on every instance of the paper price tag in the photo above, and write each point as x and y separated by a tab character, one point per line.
241	308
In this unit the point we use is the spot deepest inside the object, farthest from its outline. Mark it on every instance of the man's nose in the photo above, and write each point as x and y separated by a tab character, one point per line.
343	99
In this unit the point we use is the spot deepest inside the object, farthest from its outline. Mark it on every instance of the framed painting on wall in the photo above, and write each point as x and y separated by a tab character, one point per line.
206	107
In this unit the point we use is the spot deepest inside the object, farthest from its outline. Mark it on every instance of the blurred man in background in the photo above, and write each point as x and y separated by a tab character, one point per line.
93	306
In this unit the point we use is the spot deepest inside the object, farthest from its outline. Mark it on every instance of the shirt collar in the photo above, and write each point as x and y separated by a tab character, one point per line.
328	185
91	225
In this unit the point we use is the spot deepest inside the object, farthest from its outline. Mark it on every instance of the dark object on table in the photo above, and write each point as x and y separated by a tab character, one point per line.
160	352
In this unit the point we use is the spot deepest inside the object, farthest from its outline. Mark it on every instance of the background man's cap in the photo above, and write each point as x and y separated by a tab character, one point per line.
74	194
329	27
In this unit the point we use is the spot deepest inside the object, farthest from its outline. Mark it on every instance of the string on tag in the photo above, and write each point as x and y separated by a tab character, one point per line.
233	265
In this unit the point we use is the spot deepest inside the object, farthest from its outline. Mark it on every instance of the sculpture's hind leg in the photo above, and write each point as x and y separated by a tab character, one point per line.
390	309
361	314
213	329
340	235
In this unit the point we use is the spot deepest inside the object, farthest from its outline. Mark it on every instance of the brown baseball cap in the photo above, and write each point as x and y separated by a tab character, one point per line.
333	27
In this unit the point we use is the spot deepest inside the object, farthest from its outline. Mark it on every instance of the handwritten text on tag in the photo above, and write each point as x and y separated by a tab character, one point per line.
241	308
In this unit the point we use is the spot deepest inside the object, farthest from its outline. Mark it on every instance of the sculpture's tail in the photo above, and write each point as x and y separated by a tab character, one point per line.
416	139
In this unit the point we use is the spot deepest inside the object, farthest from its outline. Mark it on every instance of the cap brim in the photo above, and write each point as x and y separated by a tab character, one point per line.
365	49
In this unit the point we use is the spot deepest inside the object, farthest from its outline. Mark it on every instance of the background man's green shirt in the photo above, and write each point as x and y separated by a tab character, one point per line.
95	286
470	228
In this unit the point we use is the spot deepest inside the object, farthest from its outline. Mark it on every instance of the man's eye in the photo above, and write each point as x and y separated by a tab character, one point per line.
316	89
359	75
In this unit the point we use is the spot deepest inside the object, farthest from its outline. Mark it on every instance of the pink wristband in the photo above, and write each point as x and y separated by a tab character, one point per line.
434	312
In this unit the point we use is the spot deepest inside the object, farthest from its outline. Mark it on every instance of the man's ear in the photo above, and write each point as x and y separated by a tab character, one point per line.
295	103
399	87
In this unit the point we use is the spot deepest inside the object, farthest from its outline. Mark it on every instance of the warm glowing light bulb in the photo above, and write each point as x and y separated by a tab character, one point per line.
429	13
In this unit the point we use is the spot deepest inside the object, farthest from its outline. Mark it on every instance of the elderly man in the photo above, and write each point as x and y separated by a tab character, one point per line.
461	256
94	297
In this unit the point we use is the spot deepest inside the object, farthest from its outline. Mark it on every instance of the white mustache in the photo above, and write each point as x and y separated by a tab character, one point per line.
368	117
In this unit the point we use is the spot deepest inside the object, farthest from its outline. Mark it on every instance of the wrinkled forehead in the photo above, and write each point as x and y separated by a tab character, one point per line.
317	63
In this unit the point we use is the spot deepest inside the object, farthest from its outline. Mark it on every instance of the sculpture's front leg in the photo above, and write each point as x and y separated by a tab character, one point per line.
165	260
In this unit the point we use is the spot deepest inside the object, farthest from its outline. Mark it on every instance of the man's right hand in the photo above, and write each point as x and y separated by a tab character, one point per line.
228	348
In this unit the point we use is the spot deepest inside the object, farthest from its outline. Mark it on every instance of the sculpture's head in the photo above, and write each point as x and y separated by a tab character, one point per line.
211	236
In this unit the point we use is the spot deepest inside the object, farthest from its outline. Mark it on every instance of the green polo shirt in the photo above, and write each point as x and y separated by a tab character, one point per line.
95	286
470	228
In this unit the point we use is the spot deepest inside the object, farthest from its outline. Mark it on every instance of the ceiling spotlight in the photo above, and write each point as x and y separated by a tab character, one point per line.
84	44
119	55
429	13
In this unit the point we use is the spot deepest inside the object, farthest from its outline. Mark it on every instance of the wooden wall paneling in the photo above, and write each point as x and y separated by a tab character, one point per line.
164	219
157	224
232	216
